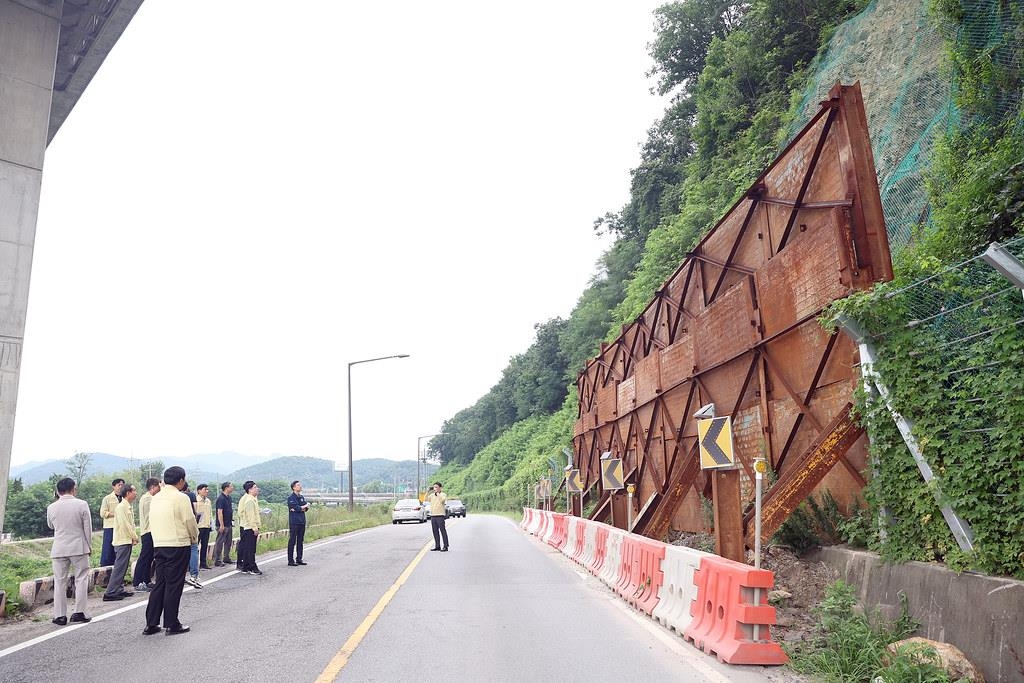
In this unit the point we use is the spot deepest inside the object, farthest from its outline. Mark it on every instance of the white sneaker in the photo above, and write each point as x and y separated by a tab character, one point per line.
193	581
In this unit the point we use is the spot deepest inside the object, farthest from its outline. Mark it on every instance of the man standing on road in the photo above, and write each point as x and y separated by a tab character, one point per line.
125	539
297	507
192	578
173	525
249	521
436	500
107	507
144	565
222	548
204	509
71	521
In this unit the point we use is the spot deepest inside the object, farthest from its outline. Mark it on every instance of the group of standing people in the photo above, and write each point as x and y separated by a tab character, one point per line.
174	547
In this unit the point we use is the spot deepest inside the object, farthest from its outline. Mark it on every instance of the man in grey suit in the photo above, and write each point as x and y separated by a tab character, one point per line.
71	522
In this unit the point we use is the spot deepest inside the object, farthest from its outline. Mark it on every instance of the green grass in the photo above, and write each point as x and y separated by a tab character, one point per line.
850	646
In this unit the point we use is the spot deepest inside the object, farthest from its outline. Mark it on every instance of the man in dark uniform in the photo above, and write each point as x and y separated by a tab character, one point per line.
297	507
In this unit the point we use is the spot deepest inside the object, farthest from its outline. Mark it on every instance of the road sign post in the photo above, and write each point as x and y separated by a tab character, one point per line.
630	488
714	439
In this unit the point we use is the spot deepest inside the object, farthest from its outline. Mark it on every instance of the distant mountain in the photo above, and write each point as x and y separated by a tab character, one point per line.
319	473
223	463
101	463
209	468
236	467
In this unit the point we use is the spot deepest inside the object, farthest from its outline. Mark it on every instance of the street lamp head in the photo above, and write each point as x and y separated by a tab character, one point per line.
402	355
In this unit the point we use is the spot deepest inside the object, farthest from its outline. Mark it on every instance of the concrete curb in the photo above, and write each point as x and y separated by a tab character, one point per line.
39	592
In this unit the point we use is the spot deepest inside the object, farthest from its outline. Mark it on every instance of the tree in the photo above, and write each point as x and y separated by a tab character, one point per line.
78	465
15	486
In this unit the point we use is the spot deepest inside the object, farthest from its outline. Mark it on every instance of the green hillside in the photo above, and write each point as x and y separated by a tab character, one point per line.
942	88
319	473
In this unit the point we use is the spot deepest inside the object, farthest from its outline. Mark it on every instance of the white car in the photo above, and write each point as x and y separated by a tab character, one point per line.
408	510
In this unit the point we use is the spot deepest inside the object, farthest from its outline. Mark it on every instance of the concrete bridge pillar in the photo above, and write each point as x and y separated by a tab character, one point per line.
29	34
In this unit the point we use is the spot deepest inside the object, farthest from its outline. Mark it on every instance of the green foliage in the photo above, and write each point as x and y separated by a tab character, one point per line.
737	76
966	402
502	476
813	524
849	646
533	383
976	185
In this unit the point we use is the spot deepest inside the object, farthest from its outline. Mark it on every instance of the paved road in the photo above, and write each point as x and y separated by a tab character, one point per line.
374	605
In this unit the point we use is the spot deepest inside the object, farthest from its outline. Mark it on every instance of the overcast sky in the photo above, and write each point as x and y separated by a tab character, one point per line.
251	195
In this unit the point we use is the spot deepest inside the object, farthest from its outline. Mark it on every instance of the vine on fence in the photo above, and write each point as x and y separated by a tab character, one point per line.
950	351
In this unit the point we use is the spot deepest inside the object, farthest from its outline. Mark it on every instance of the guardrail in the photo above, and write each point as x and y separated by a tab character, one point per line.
706	599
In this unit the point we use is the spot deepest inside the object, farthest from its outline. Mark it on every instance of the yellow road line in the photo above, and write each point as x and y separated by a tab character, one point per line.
341	658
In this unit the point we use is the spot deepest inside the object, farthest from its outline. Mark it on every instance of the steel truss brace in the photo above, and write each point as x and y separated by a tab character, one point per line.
961	529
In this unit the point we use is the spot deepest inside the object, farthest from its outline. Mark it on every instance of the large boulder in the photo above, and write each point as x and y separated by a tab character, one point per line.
950	657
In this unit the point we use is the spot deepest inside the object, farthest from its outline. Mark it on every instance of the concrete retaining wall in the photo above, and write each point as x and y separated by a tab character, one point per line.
981	615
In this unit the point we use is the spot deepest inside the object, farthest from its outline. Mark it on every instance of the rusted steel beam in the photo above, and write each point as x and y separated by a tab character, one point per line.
807	178
779	201
657	524
793	487
739	238
771	376
800	404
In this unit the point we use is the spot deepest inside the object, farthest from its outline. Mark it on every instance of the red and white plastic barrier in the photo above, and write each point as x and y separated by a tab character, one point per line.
705	598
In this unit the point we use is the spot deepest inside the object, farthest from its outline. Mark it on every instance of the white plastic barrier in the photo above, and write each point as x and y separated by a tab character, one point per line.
570	540
589	543
678	592
549	530
612	557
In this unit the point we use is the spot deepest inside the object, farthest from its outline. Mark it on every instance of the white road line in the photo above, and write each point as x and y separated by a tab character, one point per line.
65	630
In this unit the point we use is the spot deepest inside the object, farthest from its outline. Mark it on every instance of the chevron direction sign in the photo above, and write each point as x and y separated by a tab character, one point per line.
573	482
715	439
611	474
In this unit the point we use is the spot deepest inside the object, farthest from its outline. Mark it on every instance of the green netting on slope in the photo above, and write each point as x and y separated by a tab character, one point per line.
896	52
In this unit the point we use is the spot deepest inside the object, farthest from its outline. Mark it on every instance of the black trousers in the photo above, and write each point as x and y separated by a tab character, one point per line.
144	565
247	550
296	534
437	526
107	549
171	565
204	547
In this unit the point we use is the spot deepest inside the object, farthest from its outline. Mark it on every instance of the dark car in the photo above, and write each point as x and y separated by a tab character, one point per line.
455	508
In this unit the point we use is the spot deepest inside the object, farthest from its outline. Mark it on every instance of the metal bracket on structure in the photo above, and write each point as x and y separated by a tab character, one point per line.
961	529
1006	263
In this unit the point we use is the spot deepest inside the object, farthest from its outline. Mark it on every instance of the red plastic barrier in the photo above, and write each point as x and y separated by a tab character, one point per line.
602	550
527	517
581	540
647	559
559	519
725	617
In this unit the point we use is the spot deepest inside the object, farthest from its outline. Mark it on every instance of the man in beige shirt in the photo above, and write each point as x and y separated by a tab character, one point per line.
173	525
249	521
107	507
144	565
125	538
204	510
436	500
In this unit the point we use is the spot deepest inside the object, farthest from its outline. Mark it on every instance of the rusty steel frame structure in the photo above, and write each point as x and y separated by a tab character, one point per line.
737	325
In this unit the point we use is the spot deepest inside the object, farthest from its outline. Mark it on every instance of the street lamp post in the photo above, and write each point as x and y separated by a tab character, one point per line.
419	439
351	478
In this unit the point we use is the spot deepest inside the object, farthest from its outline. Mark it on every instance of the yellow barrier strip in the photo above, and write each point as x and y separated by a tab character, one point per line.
341	658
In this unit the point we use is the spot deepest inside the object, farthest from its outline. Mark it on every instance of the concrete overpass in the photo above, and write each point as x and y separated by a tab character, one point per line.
49	52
